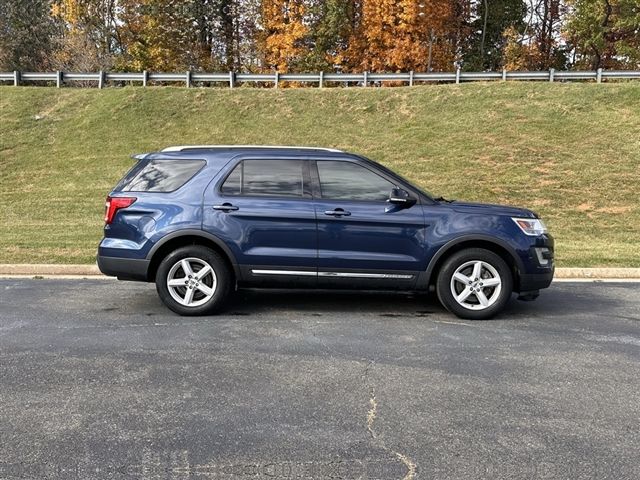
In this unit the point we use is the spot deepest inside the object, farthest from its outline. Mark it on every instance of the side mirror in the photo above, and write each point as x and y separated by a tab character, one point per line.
402	198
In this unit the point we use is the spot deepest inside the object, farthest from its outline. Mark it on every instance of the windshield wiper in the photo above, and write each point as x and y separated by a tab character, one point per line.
442	199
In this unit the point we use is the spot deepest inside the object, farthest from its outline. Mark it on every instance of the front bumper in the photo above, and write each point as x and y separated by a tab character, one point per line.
539	266
530	282
124	268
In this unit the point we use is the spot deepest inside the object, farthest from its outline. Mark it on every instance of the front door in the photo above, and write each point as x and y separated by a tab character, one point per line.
363	240
264	212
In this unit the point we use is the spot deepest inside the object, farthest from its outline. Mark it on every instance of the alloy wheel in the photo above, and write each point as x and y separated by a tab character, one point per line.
476	285
191	282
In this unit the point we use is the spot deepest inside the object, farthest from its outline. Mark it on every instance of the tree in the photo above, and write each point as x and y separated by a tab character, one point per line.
395	35
518	55
90	37
546	19
28	35
226	33
486	43
330	26
605	33
284	33
158	35
539	44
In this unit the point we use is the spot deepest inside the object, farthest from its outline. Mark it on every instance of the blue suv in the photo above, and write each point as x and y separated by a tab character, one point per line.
201	221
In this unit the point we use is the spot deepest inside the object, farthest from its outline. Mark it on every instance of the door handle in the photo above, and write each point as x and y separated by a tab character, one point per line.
338	212
226	207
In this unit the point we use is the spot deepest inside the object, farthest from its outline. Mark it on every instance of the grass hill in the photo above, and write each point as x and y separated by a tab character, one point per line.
569	151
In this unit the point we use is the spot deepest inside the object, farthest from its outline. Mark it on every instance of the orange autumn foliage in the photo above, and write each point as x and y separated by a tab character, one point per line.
397	35
284	32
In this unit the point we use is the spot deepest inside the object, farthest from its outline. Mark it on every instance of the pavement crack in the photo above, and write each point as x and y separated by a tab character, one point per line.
372	415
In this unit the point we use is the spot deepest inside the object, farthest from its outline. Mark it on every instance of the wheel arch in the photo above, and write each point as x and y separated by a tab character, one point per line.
183	238
497	246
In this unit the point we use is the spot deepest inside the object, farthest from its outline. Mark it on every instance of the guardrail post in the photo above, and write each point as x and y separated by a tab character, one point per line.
552	72
276	79
145	78
599	75
188	79
100	80
411	78
58	79
321	83
458	75
231	79
365	78
504	74
16	78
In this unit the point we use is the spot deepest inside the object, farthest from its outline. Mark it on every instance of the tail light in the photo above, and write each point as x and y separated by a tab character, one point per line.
113	205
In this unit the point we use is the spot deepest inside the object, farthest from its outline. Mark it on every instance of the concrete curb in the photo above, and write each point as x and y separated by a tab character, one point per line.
594	273
92	271
48	269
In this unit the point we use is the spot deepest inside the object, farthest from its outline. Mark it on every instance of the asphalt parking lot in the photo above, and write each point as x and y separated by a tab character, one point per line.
99	380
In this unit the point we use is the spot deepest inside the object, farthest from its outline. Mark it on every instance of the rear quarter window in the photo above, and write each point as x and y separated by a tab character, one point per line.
161	176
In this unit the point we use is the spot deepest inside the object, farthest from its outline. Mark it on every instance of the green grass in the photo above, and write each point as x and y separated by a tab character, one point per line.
569	151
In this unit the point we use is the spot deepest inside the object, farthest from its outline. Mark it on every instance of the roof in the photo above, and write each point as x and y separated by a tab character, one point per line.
181	148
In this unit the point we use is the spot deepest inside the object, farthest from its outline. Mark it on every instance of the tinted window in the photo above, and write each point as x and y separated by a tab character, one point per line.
349	181
163	175
279	178
232	184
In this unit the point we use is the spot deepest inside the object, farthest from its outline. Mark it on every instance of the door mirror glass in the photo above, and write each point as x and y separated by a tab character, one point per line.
401	197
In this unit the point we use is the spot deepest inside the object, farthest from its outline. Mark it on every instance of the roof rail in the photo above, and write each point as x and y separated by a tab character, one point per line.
180	148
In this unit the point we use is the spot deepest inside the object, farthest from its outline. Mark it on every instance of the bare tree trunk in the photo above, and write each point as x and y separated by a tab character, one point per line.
484	31
431	37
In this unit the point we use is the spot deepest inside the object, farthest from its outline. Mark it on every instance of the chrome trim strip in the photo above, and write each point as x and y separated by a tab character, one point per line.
284	272
364	275
333	274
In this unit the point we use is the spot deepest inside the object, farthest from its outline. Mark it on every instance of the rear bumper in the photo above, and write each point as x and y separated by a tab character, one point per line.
535	281
124	268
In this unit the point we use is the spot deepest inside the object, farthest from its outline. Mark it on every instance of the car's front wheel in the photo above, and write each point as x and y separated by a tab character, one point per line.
474	284
193	280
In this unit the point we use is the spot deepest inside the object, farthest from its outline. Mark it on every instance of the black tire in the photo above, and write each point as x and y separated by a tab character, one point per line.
222	276
466	257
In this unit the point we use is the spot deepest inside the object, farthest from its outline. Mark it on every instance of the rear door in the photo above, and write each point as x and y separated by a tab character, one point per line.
263	210
363	240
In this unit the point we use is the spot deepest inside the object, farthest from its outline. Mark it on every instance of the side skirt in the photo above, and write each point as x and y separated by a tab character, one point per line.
267	276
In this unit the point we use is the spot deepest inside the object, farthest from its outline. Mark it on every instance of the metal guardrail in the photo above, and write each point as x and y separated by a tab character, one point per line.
365	78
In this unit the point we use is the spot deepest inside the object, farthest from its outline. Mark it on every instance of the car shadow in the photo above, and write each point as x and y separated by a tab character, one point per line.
561	299
558	300
319	302
567	298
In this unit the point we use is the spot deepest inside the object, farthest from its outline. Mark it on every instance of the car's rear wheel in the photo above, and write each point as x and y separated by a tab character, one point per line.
193	280
474	284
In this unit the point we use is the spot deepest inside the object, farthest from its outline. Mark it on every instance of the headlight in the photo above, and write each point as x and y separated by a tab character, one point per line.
531	226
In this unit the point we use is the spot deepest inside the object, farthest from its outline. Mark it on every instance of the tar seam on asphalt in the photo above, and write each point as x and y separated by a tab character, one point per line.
372	414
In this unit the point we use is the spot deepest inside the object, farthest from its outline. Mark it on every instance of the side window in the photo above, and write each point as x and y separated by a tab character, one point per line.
233	184
350	181
161	176
276	178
